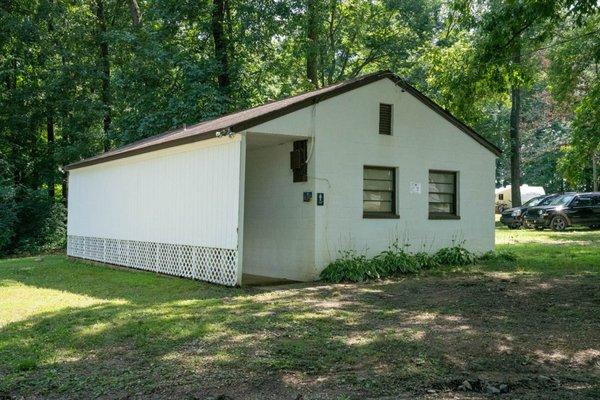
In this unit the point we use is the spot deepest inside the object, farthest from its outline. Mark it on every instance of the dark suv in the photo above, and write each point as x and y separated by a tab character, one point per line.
513	217
566	210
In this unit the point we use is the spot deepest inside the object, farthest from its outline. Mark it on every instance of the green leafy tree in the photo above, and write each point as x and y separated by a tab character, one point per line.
78	78
8	209
575	82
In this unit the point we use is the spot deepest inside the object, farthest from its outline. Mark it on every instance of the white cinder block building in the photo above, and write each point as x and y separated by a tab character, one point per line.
280	189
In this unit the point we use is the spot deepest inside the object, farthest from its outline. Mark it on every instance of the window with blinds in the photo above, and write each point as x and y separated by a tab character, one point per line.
385	119
442	194
379	192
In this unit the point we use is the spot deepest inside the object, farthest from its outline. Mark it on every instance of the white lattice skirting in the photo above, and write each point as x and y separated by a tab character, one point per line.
209	264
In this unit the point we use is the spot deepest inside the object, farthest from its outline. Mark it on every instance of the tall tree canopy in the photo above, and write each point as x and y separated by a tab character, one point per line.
79	77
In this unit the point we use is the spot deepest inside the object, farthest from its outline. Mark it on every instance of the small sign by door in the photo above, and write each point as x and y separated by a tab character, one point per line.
320	199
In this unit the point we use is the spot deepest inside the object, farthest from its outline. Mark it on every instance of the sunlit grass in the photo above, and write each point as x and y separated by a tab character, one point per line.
576	250
577	236
72	329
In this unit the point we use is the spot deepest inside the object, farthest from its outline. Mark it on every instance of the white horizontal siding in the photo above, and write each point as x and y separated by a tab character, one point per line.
184	195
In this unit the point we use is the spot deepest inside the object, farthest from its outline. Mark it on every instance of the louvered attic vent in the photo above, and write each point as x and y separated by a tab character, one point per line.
385	119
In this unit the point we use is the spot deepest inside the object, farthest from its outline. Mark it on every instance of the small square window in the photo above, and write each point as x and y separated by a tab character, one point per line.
443	189
379	192
385	119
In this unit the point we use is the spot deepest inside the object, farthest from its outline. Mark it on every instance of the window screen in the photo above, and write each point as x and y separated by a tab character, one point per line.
379	188
442	193
385	119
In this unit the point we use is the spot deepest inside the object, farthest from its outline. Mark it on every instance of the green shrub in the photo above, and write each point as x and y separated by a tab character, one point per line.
350	267
500	255
353	267
41	224
426	260
454	256
8	210
395	261
390	263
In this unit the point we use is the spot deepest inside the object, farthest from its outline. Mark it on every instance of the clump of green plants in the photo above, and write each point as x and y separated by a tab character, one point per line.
350	267
426	260
395	261
454	256
499	255
354	267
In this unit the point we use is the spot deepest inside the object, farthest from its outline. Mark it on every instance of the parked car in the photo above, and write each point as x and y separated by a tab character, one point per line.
513	217
566	210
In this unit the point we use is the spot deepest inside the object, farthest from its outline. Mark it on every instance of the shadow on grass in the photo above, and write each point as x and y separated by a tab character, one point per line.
155	336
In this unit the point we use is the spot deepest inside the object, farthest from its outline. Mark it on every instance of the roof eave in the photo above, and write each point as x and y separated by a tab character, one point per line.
150	148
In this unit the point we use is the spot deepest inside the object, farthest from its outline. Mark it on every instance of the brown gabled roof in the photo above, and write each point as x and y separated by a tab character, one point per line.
242	120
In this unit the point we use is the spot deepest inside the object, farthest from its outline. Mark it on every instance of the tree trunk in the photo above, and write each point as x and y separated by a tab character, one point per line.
104	72
331	40
65	188
64	176
229	24
50	155
220	41
13	81
515	137
134	9
595	172
50	134
312	51
10	77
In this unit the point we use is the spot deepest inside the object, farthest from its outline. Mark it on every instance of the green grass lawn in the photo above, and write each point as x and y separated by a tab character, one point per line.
69	329
554	253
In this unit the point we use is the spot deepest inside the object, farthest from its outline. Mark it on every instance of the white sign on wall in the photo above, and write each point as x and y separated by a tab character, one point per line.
415	188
